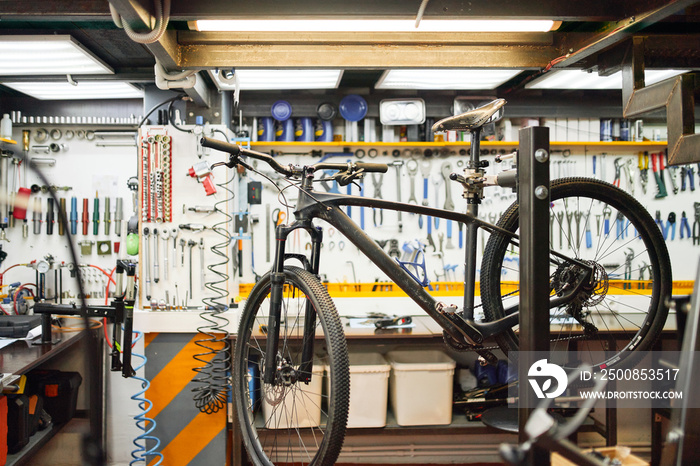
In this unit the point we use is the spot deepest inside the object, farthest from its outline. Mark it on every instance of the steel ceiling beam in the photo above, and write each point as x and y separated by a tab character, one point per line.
616	32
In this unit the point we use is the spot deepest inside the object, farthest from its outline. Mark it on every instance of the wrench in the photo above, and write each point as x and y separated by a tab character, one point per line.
175	231
165	234
437	181
560	221
156	275
201	260
398	164
146	239
191	244
412	169
425	172
446	171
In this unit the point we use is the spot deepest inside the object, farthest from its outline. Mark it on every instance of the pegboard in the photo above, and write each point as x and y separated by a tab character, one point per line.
92	165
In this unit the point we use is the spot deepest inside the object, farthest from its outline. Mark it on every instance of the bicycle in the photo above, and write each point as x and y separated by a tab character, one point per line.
290	332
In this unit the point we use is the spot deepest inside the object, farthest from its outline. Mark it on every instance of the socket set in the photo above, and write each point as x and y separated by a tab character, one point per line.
156	177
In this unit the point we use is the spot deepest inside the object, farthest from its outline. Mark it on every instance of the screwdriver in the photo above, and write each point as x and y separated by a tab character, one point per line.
96	215
49	217
108	216
36	216
61	216
86	216
73	215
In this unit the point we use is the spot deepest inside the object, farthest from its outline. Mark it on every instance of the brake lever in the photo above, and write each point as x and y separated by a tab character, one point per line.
345	178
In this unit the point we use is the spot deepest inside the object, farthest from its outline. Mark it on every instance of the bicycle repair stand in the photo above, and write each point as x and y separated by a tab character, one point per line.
534	199
121	311
684	432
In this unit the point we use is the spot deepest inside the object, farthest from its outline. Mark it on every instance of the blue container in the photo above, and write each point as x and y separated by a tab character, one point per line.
304	130
266	129
284	131
324	131
486	376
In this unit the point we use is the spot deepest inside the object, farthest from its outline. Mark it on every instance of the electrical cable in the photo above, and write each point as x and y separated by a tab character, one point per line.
162	20
212	377
171	119
155	107
143	422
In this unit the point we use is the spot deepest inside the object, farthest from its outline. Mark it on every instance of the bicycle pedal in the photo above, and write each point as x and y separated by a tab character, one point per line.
486	357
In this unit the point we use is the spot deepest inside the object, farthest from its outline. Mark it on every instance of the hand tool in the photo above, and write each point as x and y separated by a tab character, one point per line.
627	167
628	269
449	244
685	226
412	169
441	238
50	219
569	216
377	179
174	232
696	224
62	216
107	216
86	216
96	215
191	244
73	216
398	164
118	217
182	251
460	225
684	172
691	178
192	227
201	261
437	181
671	225
578	215
657	164
36	216
616	180
589	238
660	223
278	217
643	164
430	235
425	172
145	259
551	230
199	209
607	211
362	209
620	231
156	265
165	234
560	221
446	171
673	171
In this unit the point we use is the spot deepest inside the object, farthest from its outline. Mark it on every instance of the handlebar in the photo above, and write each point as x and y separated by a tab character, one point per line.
235	151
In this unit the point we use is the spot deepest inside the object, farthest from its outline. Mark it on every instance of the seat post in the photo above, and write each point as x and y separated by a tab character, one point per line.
472	232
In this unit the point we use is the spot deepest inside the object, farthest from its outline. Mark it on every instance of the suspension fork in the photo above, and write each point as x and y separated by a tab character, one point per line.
277	279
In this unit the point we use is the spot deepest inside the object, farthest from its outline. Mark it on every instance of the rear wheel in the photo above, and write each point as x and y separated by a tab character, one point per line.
622	310
297	418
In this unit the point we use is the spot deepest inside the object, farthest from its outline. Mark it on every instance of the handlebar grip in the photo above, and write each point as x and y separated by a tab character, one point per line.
372	167
222	146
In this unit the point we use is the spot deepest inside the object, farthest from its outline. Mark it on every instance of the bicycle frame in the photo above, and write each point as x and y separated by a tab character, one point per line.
326	206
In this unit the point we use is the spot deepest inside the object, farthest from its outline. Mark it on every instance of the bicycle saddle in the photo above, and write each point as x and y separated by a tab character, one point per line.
472	119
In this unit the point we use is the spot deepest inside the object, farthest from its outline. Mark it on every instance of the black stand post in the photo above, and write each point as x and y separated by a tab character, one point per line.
533	195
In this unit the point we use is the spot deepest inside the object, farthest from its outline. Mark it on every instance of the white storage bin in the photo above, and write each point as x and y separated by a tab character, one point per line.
300	408
420	387
369	384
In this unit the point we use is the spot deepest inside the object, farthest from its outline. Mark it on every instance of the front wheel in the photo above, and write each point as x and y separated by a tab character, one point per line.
296	418
622	310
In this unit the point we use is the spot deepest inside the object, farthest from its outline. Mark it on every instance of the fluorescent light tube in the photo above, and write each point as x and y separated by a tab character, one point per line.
47	56
85	90
464	79
373	25
255	79
580	79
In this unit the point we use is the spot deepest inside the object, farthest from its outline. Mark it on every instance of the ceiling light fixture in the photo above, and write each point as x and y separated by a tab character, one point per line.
373	25
447	79
269	79
83	91
583	80
46	55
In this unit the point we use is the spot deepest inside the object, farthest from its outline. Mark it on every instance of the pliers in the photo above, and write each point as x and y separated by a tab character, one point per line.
660	223
620	230
685	226
618	166
671	225
696	224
